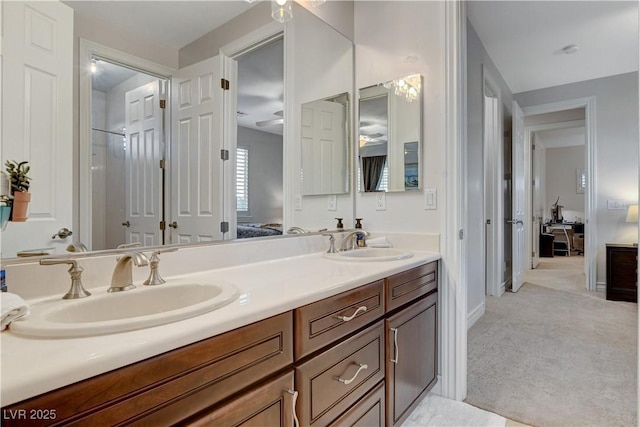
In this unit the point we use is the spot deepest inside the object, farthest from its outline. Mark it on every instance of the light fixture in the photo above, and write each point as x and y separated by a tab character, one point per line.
281	10
408	87
94	65
632	213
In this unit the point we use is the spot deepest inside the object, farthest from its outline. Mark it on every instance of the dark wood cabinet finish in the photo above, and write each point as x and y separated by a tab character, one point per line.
622	272
323	322
411	357
172	386
368	412
404	287
270	404
358	361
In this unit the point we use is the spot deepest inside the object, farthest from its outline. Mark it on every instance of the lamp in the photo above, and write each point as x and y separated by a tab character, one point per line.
632	213
281	10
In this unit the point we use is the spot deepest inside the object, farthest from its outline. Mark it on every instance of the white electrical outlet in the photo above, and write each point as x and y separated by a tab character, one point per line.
297	202
332	202
430	199
381	201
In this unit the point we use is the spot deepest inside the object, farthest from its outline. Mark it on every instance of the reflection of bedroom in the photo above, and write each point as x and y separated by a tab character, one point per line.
259	191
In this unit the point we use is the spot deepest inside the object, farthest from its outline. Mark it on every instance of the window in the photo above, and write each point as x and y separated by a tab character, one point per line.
242	179
384	179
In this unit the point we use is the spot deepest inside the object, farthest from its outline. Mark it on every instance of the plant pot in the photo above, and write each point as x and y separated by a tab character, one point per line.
20	206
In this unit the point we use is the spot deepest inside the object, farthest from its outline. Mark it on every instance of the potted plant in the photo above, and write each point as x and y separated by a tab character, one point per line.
20	182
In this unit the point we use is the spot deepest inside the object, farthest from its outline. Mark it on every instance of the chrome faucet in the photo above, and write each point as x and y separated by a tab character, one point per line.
296	230
129	245
332	243
122	279
349	240
77	247
154	275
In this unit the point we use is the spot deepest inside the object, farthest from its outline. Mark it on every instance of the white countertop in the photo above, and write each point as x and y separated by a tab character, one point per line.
33	366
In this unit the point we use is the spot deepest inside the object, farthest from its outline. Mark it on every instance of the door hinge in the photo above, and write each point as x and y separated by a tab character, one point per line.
224	84
533	146
533	254
224	154
224	227
163	225
163	164
163	103
461	234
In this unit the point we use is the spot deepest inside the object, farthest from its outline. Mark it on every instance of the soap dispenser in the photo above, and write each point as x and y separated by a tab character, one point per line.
339	225
358	223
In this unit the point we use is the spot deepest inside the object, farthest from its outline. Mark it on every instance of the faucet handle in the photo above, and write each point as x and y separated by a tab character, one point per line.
332	243
154	261
76	290
129	245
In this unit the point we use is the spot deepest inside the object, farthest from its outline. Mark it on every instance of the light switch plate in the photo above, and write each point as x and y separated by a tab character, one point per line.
430	199
297	202
381	201
332	202
616	205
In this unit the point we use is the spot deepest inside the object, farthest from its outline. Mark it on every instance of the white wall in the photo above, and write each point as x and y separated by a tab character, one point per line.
560	180
321	65
394	39
616	143
265	175
477	57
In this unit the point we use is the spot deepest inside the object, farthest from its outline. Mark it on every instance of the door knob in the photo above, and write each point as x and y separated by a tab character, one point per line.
126	224
63	233
173	224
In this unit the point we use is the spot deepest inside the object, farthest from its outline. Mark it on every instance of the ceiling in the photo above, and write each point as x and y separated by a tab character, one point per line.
172	23
561	138
525	39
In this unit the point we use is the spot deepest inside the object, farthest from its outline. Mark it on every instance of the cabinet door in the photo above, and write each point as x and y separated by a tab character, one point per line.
270	404
411	357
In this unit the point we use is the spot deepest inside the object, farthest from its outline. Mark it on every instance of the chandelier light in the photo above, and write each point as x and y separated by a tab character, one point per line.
281	10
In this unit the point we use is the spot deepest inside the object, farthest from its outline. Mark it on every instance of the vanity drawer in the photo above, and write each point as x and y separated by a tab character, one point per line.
334	380
368	412
176	384
323	322
406	286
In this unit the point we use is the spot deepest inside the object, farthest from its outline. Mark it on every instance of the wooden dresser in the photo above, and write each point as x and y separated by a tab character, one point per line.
622	272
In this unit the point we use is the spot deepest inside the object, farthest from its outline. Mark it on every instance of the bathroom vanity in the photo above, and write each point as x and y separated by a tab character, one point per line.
355	350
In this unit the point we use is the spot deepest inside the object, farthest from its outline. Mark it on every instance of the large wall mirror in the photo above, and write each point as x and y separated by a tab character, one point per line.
390	135
154	175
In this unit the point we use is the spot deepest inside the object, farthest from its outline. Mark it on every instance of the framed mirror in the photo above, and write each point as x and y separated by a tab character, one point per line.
325	146
390	132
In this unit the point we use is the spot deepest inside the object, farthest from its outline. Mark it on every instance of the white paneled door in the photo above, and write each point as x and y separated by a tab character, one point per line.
143	153
196	141
323	154
37	61
518	197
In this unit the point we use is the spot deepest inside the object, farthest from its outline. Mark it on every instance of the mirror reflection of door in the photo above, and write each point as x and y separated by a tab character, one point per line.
259	153
126	143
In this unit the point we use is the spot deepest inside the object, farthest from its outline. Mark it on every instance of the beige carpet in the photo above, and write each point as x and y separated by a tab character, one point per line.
437	411
547	357
561	273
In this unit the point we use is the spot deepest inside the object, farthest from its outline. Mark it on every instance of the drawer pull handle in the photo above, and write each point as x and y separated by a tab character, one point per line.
294	394
347	319
350	380
395	344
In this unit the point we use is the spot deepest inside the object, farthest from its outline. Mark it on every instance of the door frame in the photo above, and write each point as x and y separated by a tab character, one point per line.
493	202
88	50
590	229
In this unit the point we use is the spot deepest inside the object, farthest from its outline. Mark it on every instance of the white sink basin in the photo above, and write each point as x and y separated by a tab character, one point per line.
104	313
370	254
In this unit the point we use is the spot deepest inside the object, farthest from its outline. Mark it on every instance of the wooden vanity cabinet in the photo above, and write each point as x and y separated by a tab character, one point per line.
168	388
411	357
269	404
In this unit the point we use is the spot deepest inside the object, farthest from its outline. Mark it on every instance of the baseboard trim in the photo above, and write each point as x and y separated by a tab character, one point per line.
437	389
601	287
475	315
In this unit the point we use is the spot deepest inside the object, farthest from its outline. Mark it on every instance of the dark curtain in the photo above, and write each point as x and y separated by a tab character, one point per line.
372	168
